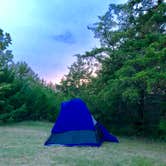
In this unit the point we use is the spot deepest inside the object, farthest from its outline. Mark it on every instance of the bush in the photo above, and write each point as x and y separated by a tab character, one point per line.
162	129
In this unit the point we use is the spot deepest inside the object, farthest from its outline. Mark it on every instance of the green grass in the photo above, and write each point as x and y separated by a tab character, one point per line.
21	144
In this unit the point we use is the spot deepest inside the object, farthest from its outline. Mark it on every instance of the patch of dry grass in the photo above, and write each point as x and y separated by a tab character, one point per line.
22	145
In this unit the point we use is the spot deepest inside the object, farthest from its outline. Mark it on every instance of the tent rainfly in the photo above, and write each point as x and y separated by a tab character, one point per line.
75	126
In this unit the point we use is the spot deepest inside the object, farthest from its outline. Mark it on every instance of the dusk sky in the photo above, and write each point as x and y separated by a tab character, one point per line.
46	34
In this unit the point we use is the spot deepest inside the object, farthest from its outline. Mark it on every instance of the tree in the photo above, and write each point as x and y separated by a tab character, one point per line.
79	75
23	96
131	76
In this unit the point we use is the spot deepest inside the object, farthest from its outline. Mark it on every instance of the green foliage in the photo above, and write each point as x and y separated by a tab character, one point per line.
128	92
123	82
163	125
162	128
23	95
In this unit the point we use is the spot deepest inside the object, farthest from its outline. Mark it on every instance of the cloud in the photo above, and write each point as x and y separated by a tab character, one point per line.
66	37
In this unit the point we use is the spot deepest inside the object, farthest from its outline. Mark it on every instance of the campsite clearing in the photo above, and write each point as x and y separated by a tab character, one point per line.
21	144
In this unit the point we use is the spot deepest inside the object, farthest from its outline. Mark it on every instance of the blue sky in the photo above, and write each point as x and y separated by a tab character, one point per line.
46	34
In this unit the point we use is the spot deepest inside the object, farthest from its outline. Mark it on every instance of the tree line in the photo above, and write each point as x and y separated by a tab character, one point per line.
23	96
123	82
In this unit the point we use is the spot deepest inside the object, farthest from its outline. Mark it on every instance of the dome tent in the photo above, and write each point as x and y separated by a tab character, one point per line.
75	126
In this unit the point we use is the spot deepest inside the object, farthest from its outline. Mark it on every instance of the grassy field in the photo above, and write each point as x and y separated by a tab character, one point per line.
21	144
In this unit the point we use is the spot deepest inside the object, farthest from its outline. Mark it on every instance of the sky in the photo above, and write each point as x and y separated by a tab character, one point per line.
47	33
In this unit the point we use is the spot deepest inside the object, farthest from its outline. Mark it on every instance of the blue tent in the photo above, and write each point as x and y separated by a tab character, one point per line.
75	126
